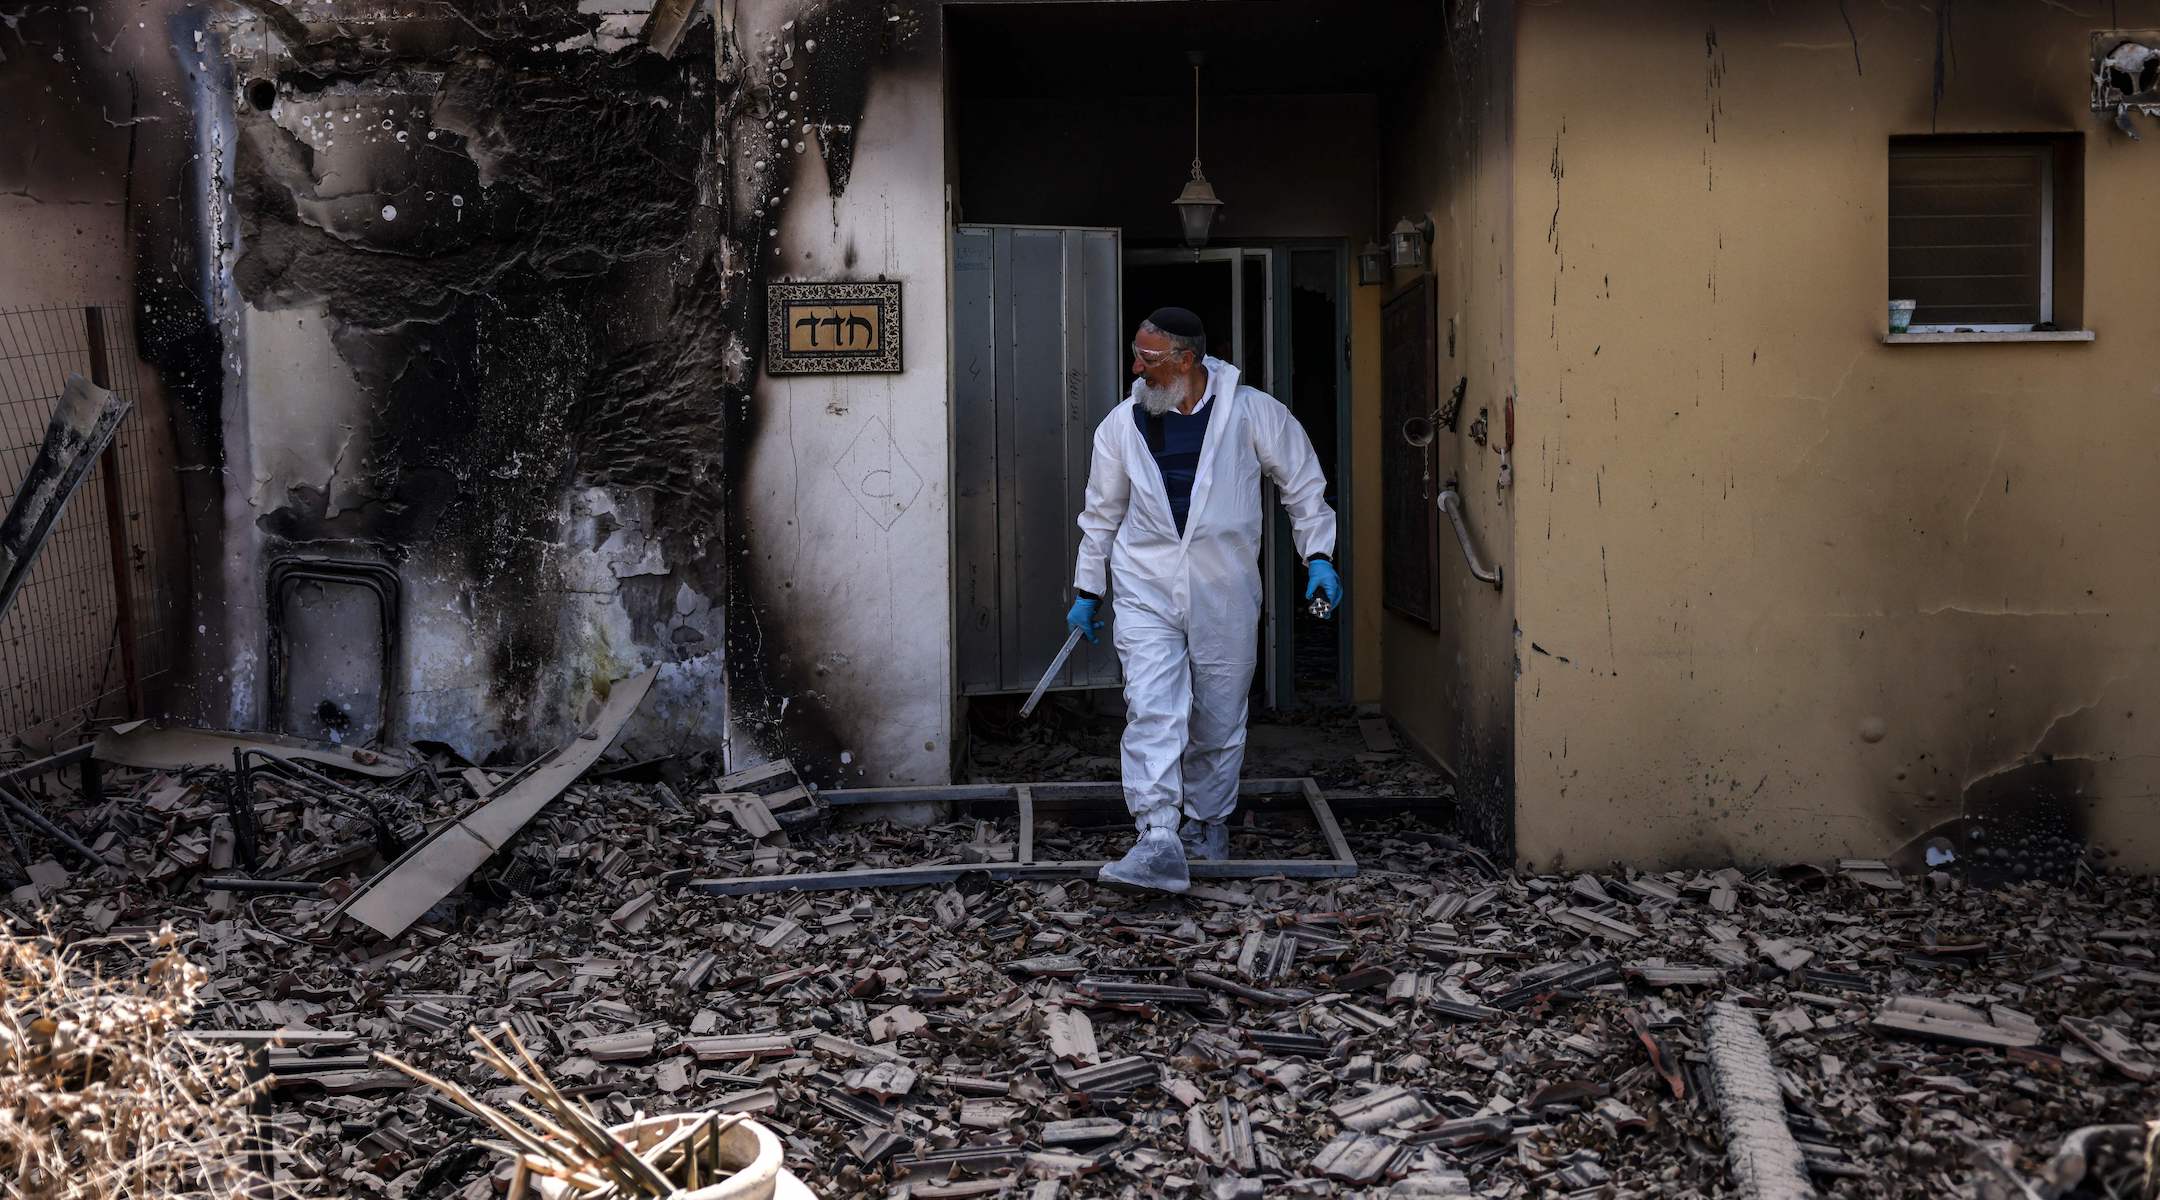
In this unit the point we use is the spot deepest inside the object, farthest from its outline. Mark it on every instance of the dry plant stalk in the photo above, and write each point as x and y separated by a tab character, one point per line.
2152	1160
561	1139
102	1094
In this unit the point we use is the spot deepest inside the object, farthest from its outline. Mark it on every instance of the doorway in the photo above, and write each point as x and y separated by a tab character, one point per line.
1042	136
1316	375
1277	313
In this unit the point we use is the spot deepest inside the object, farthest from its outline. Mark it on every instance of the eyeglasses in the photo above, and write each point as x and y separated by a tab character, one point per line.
1153	357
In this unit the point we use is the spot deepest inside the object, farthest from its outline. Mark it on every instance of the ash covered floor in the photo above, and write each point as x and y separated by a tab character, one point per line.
1431	1027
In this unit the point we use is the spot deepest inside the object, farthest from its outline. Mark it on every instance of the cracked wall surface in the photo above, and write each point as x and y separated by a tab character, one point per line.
1798	593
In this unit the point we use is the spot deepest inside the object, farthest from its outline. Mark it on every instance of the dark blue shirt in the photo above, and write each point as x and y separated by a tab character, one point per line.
1178	454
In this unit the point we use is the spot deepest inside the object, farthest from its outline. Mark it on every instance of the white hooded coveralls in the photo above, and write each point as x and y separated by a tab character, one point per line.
1188	606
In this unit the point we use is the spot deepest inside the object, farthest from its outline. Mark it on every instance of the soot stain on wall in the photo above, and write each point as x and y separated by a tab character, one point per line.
468	221
1484	785
543	270
772	669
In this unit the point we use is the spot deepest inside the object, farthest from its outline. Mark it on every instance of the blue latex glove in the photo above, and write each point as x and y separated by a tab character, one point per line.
1320	577
1082	618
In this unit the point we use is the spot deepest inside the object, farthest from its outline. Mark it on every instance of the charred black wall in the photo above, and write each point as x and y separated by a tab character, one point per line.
473	291
503	260
514	251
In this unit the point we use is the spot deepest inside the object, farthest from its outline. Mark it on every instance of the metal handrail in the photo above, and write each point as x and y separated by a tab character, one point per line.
1451	504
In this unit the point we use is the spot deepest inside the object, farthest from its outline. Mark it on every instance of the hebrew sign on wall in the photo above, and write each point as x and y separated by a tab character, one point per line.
832	328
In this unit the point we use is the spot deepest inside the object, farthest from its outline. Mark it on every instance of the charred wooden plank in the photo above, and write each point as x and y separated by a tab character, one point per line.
1543	985
1917	1016
1296	1045
1124	992
1251	995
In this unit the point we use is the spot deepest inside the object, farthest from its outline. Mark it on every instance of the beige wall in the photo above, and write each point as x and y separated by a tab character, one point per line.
1451	691
1798	593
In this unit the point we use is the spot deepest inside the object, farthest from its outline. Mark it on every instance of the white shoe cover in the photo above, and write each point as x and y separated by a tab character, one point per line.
1205	841
1156	862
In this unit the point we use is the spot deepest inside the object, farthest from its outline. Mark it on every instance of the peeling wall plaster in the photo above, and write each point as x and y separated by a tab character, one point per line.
465	368
437	293
311	420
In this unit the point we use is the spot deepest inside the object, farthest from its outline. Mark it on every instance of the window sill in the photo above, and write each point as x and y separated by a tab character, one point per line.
1942	339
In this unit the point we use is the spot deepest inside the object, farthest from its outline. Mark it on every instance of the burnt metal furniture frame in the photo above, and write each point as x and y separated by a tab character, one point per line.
377	578
1030	800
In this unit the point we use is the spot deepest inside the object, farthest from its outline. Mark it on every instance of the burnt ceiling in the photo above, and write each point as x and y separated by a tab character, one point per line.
1254	47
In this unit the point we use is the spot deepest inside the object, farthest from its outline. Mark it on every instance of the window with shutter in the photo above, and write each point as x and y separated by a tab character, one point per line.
1973	232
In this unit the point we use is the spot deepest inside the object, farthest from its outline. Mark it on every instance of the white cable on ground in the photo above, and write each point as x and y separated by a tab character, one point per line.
1766	1162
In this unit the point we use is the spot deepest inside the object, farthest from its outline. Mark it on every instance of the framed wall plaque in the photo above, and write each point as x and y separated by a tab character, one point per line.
832	328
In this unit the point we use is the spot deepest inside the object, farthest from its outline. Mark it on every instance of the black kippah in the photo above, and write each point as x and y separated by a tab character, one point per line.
1180	322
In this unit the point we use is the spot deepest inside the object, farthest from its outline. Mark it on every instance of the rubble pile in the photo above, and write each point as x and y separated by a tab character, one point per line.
1433	1026
268	824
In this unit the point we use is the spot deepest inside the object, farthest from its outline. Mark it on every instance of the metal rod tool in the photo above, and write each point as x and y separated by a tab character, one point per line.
1056	664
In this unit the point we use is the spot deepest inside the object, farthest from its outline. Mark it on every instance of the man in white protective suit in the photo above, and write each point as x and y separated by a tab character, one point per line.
1171	532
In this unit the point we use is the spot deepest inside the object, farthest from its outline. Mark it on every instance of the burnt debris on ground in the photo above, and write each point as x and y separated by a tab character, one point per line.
1434	1026
1347	752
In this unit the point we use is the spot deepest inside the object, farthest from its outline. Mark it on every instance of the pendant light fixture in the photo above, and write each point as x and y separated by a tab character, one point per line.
1196	205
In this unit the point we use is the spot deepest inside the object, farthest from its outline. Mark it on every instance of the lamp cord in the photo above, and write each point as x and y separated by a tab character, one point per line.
1196	117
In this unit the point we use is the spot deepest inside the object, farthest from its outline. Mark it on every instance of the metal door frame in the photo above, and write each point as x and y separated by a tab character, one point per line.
1345	441
1279	567
1235	256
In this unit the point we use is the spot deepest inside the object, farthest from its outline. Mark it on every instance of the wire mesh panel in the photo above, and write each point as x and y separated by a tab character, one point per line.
62	659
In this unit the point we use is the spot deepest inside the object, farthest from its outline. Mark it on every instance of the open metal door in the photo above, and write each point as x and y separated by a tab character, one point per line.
1038	361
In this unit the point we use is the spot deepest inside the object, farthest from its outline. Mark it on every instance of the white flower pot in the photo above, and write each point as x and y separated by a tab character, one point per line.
747	1148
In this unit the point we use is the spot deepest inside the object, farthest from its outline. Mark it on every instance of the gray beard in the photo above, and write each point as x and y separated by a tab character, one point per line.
1159	400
